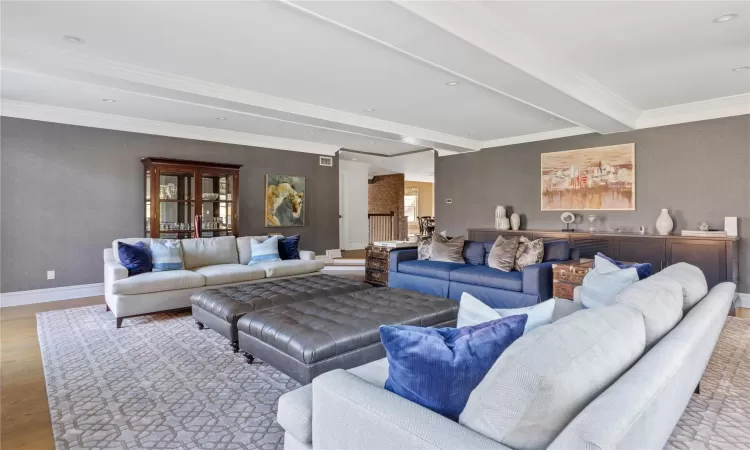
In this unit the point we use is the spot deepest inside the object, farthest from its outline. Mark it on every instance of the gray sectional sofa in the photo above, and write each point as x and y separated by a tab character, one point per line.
618	376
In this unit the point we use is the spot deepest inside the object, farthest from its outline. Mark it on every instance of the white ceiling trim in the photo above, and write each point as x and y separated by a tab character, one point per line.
554	134
47	113
605	111
734	105
45	61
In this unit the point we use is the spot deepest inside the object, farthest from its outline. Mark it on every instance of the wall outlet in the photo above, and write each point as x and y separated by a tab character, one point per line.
50	274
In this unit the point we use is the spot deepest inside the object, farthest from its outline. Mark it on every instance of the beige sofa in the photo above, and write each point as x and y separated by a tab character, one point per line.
209	263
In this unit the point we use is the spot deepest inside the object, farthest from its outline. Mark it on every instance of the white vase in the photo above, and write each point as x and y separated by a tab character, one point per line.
664	223
515	221
504	223
499	215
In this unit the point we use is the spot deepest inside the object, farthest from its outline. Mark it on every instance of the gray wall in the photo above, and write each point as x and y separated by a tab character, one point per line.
699	170
68	191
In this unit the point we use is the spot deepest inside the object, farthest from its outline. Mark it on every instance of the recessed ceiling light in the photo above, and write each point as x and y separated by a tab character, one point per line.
725	17
741	69
109	100
452	83
221	118
354	159
409	140
310	132
552	119
380	160
369	109
74	39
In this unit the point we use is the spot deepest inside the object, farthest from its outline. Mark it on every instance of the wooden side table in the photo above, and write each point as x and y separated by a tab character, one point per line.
566	276
377	259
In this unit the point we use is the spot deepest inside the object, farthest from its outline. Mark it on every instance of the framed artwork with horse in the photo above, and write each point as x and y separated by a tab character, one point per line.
285	201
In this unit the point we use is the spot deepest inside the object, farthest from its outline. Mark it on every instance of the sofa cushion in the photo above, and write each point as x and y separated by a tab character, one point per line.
129	241
166	254
148	282
439	367
474	252
692	280
288	268
489	277
209	251
136	258
556	251
602	284
529	252
429	269
230	273
375	372
549	375
503	253
447	249
659	300
289	247
244	247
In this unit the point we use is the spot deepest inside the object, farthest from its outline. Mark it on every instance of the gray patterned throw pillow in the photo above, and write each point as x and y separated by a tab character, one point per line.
424	247
503	254
447	250
529	252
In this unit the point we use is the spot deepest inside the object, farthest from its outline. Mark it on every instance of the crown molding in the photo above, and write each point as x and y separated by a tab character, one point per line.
735	105
47	113
141	80
565	132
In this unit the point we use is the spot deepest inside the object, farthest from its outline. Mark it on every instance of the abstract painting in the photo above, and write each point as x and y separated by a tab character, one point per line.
285	201
600	178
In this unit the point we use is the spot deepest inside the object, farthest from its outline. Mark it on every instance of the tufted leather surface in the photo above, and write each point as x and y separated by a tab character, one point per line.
325	327
232	302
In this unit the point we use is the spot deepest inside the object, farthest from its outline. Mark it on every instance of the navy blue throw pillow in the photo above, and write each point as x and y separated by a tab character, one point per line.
643	269
136	258
289	247
439	367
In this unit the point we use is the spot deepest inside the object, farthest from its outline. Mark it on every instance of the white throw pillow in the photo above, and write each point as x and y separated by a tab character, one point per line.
266	251
604	282
166	254
472	311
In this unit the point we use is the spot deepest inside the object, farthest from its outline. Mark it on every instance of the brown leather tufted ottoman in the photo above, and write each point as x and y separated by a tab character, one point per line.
308	338
219	309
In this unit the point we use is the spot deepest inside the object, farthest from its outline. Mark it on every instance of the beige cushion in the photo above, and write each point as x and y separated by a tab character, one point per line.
230	273
542	381
692	280
209	251
245	250
659	300
529	252
447	250
131	241
503	253
289	267
148	282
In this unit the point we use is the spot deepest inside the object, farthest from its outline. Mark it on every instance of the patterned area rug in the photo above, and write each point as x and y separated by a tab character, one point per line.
719	417
159	383
156	383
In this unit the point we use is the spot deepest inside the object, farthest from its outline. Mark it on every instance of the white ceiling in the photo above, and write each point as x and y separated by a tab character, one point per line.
302	75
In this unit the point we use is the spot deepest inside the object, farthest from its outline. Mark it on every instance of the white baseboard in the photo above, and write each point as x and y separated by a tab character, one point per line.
50	294
744	300
348	261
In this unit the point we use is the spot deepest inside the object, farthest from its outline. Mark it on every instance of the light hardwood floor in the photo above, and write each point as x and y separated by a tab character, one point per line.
24	413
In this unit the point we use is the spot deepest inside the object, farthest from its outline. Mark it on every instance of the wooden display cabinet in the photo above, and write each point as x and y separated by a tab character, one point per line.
176	190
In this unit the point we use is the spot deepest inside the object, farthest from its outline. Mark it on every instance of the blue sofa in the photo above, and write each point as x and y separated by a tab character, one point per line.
494	287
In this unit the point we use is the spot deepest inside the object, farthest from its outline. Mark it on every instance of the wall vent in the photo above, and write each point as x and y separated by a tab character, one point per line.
326	161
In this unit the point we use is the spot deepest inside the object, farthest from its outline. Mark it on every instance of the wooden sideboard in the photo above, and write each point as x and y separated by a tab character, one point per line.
718	258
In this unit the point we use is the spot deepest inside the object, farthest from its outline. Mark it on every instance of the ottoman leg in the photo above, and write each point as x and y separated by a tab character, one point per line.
200	324
235	346
248	357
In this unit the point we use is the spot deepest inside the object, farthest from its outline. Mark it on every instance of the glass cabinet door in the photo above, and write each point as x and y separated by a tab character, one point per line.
177	203
216	204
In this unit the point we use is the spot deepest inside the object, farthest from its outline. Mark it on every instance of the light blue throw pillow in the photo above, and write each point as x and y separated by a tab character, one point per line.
601	285
166	255
472	311
266	251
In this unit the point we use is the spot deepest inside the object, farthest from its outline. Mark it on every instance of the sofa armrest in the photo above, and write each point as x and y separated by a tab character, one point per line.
307	255
537	280
404	254
113	271
351	413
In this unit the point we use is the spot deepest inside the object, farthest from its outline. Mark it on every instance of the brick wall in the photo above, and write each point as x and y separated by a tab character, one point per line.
386	194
